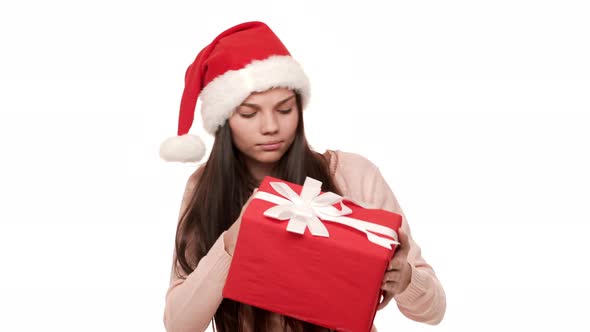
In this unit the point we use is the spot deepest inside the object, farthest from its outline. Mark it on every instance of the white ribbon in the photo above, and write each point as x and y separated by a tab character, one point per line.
306	210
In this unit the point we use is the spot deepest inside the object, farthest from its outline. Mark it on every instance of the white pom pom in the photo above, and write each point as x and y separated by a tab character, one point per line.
185	148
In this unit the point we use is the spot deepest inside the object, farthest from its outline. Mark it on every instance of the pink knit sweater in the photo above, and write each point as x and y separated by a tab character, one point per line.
192	302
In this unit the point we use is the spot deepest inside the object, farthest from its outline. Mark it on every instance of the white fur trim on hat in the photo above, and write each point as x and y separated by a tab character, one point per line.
224	93
185	148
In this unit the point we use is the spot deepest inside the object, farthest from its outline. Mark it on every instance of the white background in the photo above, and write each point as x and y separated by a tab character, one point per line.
475	112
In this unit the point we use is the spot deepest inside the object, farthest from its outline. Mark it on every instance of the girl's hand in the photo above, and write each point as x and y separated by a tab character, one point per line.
399	272
230	237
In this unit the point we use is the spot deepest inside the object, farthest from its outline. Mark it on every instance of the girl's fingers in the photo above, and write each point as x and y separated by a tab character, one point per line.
394	264
386	298
392	276
388	287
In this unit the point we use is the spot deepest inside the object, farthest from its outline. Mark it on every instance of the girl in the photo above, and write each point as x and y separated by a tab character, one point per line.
253	94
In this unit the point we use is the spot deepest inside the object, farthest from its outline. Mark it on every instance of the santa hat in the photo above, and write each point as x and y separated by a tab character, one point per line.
246	58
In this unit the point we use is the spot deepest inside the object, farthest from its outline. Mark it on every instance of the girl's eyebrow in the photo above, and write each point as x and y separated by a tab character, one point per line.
278	104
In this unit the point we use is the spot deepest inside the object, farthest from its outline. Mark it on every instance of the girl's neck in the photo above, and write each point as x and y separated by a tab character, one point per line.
260	170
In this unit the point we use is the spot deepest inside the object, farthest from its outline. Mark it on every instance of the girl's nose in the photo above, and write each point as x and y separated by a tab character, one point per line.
269	124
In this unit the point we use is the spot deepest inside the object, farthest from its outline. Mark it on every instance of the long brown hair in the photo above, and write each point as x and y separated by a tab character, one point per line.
224	186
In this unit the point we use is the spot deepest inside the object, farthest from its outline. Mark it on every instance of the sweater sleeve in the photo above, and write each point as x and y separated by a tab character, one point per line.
192	300
424	299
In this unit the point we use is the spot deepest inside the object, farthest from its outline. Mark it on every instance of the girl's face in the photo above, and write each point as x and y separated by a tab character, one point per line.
263	126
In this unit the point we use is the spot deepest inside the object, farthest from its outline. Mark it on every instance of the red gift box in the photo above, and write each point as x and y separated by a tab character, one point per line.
331	279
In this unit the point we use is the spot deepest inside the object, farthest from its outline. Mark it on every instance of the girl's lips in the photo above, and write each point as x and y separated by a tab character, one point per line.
271	146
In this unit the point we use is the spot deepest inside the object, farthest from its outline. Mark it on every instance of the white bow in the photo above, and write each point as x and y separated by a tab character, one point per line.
306	210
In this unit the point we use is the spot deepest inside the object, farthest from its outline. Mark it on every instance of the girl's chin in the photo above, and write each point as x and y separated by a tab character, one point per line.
267	157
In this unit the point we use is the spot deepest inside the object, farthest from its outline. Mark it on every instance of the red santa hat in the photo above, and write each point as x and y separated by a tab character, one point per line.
246	58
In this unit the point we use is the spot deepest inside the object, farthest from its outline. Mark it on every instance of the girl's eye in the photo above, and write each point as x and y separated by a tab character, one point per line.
285	111
250	115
